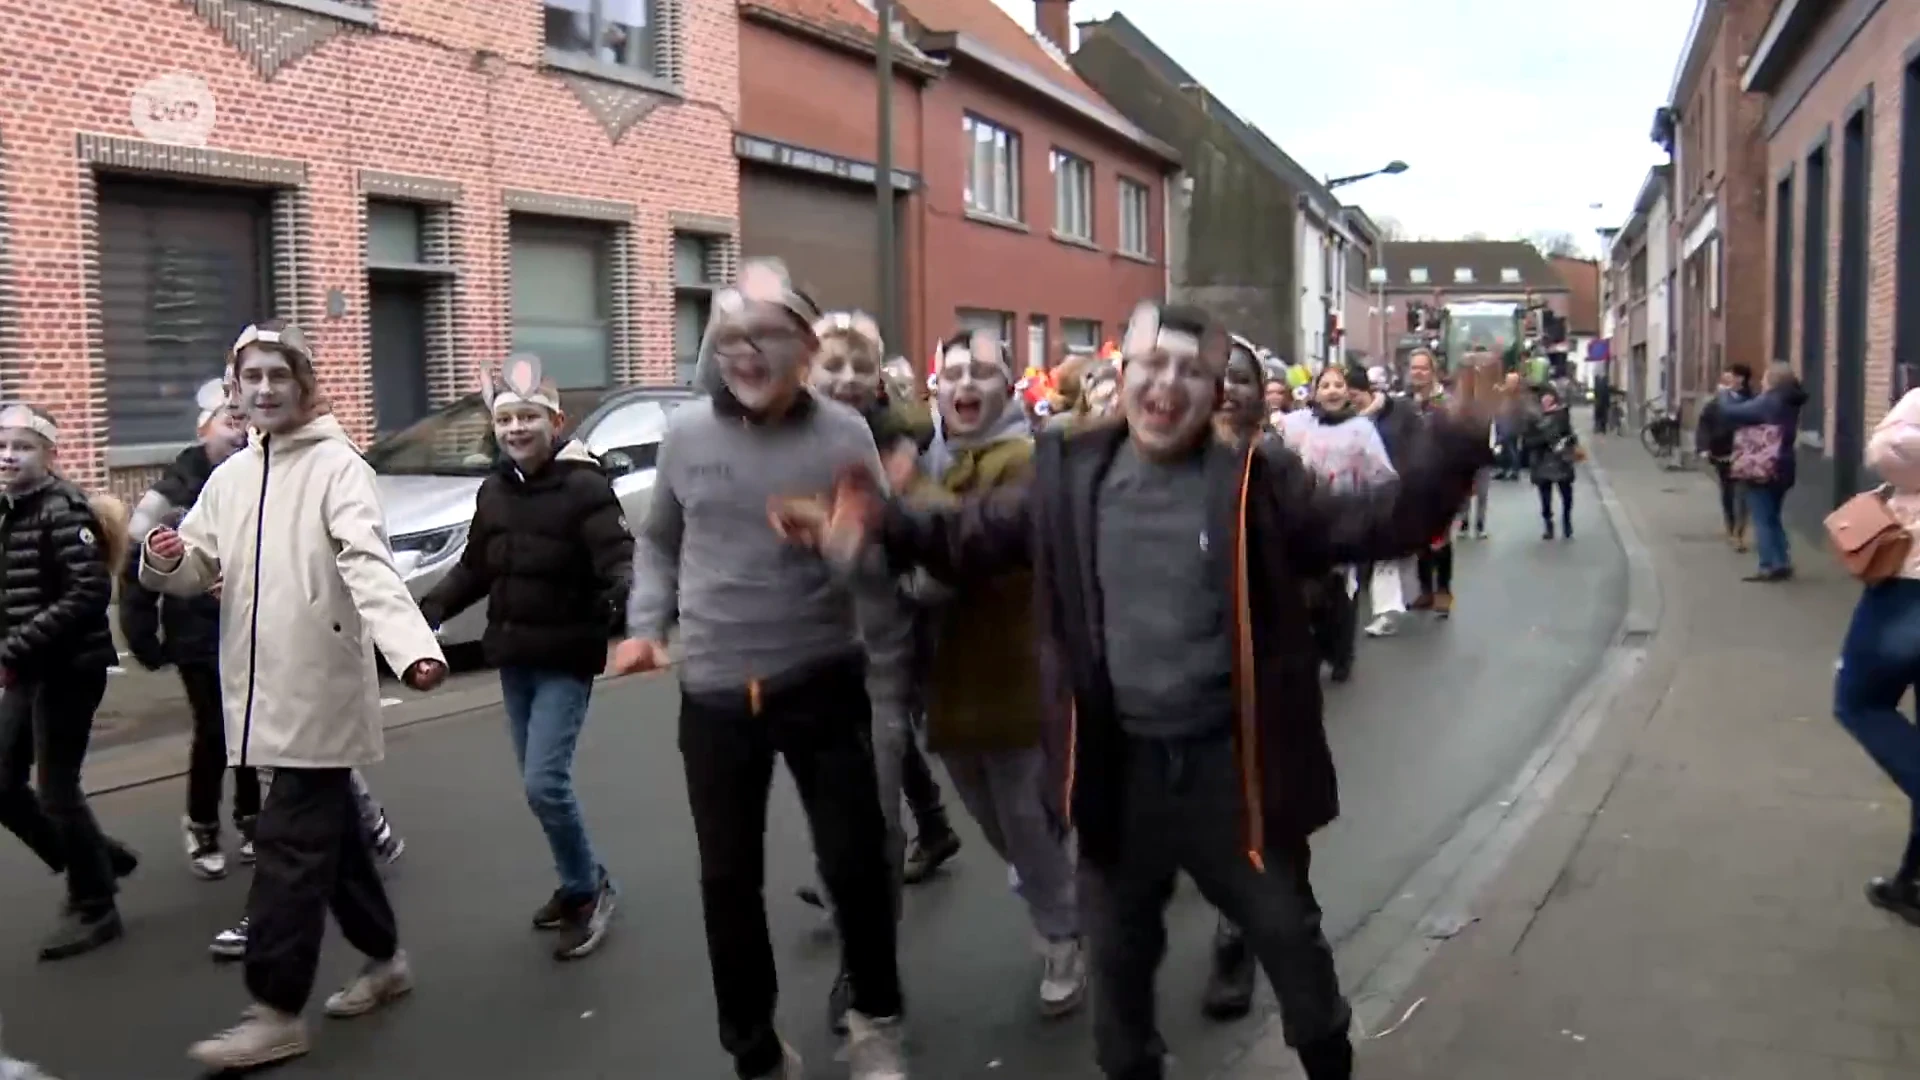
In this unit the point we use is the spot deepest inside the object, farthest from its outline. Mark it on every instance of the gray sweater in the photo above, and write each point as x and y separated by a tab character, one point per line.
749	605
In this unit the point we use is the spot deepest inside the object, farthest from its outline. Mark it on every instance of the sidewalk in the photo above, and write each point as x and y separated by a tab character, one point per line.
1689	904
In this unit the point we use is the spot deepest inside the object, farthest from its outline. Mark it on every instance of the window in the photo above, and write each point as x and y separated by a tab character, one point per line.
1329	272
1072	197
1463	275
1509	276
693	285
993	168
1037	342
617	33
997	323
410	283
1783	268
1136	217
1713	274
393	233
562	299
1417	275
1081	337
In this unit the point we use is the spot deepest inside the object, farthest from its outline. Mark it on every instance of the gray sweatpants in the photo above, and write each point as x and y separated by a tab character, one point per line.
1003	792
372	815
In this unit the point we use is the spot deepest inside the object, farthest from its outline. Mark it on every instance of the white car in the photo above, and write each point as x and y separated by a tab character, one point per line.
429	474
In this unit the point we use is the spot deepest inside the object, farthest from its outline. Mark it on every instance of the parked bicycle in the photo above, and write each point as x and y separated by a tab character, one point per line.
1660	434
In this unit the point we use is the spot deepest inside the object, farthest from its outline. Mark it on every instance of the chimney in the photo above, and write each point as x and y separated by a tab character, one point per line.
1055	23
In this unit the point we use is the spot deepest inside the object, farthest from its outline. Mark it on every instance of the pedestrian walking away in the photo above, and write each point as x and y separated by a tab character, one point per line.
1171	563
59	551
1553	449
184	631
774	656
302	694
550	552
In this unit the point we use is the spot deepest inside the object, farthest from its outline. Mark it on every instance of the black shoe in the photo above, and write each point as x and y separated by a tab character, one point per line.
927	854
587	922
122	859
1328	1059
1341	673
1566	529
839	1001
1900	897
81	932
1769	575
1547	533
552	915
1229	992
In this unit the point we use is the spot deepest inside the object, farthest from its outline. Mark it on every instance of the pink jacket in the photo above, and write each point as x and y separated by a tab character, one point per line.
1894	453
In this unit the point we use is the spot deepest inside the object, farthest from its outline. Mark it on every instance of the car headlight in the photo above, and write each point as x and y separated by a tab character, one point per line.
430	548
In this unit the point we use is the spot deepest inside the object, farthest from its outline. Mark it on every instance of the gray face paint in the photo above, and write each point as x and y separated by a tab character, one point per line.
846	370
525	432
25	459
1241	401
762	353
270	396
1169	393
972	392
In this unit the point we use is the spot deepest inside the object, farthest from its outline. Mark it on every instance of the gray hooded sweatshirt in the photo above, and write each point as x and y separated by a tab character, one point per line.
749	605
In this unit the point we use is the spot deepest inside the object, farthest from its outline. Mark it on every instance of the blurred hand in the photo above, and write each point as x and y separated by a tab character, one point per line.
425	675
1475	396
902	465
800	519
214	589
165	546
637	656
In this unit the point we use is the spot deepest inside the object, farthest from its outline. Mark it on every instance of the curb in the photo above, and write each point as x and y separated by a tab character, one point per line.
1388	951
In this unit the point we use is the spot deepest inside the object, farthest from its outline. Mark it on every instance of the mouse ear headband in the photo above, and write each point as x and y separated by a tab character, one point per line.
16	415
213	396
765	281
855	324
518	382
1149	331
980	345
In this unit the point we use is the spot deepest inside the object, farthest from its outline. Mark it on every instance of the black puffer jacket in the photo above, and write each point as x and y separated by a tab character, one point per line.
552	555
57	584
163	630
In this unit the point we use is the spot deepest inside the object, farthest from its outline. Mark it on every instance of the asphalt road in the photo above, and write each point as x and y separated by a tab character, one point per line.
1435	719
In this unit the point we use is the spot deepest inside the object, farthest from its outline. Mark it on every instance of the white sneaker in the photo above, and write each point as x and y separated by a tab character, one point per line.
1382	626
380	982
262	1037
1063	982
204	856
873	1049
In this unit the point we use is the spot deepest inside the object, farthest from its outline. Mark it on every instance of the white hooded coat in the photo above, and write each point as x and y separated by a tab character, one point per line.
292	527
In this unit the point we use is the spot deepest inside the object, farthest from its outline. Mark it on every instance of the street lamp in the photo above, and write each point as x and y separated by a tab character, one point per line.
1391	168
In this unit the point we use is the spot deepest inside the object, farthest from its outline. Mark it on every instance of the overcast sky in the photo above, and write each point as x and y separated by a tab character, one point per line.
1531	110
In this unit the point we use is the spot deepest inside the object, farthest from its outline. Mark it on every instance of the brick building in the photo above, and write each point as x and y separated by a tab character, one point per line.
1717	198
422	183
1838	89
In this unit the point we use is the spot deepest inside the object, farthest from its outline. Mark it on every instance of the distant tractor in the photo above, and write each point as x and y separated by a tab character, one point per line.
1497	326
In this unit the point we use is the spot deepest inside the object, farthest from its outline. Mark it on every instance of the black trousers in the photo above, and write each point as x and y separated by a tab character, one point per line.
1733	499
1545	488
45	726
1435	569
1183	813
311	857
820	721
207	758
1334	617
922	791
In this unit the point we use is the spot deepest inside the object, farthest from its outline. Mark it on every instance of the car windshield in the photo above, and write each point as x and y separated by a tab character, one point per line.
1470	330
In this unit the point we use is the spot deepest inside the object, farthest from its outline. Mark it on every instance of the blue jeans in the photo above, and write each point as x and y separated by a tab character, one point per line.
545	712
1878	663
1769	534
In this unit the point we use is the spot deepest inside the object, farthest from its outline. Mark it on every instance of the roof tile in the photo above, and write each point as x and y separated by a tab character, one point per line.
994	28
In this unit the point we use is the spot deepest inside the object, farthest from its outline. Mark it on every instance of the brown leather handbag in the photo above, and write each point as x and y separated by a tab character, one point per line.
1871	542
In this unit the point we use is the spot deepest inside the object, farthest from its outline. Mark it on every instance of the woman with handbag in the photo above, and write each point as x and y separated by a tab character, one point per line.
1881	657
1765	427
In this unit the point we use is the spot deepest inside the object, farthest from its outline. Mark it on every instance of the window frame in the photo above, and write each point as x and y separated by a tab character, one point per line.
656	75
1006	137
1065	166
1131	190
604	281
1417	275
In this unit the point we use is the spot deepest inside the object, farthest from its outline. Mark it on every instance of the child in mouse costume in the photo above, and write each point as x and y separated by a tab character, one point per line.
550	552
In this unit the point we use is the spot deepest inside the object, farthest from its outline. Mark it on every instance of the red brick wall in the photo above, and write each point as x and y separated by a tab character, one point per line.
810	94
971	264
1876	57
448	89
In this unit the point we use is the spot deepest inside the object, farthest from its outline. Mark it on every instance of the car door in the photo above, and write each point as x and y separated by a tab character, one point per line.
627	441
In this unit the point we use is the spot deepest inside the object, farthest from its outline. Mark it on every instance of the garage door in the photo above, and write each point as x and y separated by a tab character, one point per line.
827	232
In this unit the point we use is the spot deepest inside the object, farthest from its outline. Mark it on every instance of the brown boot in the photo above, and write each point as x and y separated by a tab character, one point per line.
1443	604
1423	602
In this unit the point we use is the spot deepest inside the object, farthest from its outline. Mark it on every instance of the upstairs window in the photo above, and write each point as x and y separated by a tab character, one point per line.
1136	218
617	33
1509	276
993	168
1463	275
1072	196
1417	275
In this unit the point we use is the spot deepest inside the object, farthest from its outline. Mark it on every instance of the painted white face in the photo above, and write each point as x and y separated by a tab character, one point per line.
1420	372
1330	392
762	351
1169	392
846	370
972	392
269	395
1103	396
525	432
25	458
225	434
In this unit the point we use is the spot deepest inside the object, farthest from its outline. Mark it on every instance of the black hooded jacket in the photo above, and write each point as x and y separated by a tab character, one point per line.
552	555
159	629
53	562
